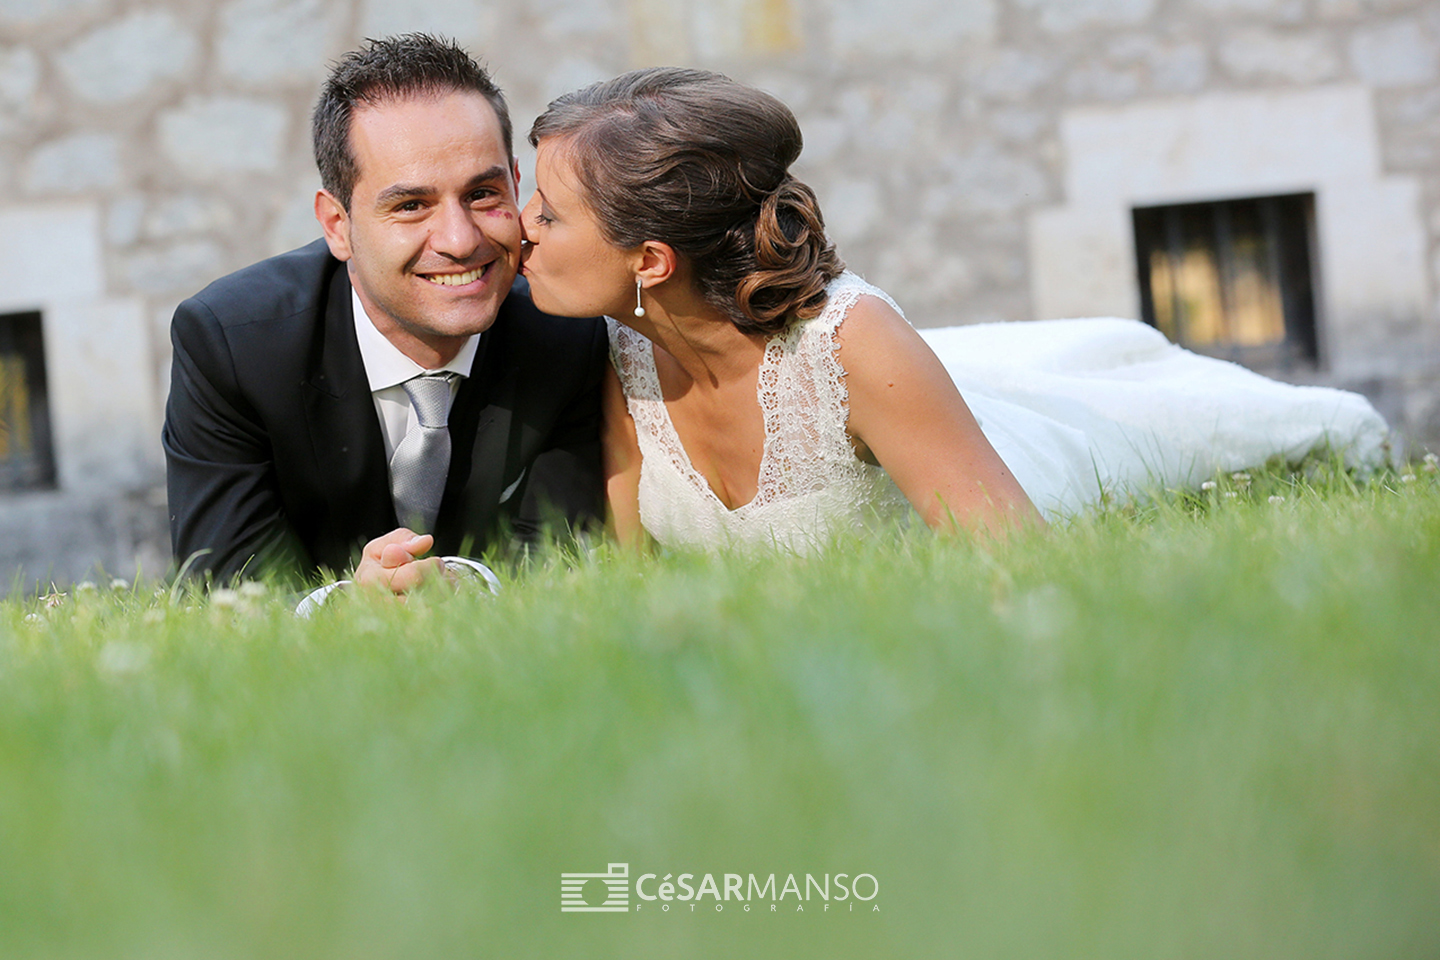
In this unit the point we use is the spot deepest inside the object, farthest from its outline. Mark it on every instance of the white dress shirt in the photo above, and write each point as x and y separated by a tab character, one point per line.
387	368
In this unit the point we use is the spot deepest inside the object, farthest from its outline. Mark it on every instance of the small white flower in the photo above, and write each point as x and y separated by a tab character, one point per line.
224	598
33	618
1432	463
1230	494
119	583
1407	478
118	658
1276	498
54	598
1240	477
252	589
85	586
1208	485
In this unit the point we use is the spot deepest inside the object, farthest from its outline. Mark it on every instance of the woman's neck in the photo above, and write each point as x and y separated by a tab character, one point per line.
703	342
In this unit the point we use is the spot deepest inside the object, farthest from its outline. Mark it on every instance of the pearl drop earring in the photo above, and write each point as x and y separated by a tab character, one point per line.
639	307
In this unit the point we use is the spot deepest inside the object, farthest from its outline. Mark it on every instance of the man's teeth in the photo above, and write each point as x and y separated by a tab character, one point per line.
455	279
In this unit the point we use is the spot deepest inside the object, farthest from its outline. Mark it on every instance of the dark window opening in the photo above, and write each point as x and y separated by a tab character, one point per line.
27	456
1232	278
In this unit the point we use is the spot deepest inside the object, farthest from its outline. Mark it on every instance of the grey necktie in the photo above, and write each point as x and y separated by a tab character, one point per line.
421	462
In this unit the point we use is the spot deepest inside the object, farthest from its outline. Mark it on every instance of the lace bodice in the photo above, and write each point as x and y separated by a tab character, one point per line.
812	487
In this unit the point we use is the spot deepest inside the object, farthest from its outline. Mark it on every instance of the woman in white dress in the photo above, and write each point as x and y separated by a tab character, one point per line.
762	395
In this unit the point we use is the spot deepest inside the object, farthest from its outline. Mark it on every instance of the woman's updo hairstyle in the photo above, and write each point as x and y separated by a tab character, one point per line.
695	160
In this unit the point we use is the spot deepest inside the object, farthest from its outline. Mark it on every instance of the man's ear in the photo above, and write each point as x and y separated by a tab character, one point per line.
657	262
335	222
515	169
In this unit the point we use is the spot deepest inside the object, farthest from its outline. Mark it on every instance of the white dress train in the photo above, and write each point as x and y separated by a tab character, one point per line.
1073	407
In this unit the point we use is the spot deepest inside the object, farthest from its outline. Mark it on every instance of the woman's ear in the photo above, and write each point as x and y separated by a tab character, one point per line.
657	262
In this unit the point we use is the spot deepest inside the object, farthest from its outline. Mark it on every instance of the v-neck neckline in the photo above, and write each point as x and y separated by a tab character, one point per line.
768	359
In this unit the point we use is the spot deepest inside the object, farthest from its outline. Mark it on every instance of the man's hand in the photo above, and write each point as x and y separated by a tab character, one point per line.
393	563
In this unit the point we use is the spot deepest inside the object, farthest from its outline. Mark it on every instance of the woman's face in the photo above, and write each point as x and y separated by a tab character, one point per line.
573	270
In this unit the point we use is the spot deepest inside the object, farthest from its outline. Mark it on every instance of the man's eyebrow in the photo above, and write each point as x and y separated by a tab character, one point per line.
497	172
407	191
402	191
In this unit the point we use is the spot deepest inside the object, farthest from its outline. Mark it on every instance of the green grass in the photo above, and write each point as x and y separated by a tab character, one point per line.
1205	726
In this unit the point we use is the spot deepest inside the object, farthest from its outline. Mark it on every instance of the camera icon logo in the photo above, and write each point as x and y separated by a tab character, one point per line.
613	886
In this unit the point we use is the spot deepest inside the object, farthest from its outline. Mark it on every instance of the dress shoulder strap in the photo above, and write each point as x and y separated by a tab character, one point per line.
634	360
841	295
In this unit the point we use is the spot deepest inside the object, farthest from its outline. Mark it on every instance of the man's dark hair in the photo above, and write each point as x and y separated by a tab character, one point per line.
391	68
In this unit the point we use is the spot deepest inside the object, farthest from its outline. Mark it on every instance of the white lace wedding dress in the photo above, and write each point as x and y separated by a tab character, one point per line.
1073	407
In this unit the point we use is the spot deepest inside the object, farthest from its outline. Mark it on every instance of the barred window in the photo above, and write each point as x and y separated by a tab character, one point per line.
27	459
1232	278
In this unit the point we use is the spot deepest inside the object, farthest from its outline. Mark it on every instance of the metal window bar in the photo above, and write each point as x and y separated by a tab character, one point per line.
27	458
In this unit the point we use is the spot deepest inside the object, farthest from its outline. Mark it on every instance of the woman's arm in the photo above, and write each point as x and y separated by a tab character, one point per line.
905	408
620	455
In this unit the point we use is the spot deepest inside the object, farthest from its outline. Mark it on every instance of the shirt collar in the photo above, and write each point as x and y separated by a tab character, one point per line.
385	365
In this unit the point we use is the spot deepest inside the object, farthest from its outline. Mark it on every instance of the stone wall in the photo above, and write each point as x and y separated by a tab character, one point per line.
170	138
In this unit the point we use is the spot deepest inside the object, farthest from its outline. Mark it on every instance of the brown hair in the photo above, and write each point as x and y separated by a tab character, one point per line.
700	162
384	70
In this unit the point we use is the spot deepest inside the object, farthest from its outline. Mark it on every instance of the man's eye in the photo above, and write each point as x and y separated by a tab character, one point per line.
409	206
485	193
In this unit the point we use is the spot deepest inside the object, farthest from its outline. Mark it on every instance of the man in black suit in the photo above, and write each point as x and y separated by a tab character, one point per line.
291	383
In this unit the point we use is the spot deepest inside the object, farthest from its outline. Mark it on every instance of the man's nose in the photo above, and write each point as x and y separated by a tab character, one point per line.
455	232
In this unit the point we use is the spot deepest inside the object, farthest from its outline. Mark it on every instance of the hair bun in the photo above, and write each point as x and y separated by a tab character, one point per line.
793	258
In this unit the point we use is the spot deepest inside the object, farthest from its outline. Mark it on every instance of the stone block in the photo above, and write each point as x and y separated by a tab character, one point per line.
1397	53
103	405
1174	67
852	207
123	218
1009	74
276	40
1061	16
176	268
567	17
31	275
1281	10
1096	81
1217	144
295	224
571	73
19	85
865	30
120	61
1260	55
209	139
927	270
187	214
74	165
986	179
1184	68
471	22
31	12
51	540
1017	124
19	79
1356	9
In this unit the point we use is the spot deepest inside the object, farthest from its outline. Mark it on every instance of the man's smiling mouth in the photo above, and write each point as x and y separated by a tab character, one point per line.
456	279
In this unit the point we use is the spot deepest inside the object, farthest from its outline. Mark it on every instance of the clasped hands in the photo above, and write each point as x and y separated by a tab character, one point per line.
397	562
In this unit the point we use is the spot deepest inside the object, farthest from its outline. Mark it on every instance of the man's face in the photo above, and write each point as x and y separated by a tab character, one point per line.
433	235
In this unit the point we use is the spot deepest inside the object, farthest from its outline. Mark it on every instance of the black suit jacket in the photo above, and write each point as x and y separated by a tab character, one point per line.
274	455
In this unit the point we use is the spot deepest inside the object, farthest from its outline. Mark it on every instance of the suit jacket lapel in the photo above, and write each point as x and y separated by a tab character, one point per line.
344	429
